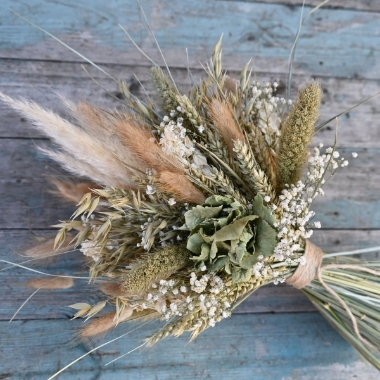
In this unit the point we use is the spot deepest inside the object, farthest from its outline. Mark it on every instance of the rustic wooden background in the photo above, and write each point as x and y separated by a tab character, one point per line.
276	334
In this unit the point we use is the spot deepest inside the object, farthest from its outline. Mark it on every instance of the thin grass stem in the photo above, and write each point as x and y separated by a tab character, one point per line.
23	304
65	45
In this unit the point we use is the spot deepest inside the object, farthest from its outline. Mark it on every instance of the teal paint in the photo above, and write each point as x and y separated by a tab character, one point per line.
334	42
246	346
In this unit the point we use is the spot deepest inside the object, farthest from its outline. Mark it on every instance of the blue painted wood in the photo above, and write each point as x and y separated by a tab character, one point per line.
261	347
335	42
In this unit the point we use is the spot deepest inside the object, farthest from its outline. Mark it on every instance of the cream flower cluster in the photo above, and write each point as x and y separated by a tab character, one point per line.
173	299
174	141
267	109
293	211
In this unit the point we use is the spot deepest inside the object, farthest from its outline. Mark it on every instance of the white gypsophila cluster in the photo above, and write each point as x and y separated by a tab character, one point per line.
172	299
262	269
88	249
174	141
166	291
294	203
266	109
214	308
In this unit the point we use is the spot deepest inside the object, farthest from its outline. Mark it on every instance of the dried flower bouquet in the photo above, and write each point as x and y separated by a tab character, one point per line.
185	212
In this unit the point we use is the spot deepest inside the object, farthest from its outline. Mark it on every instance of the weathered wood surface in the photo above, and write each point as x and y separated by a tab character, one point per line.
358	5
275	334
335	42
260	347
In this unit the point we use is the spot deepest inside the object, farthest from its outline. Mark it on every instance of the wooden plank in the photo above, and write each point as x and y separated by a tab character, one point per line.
334	42
361	5
286	346
53	304
38	80
25	189
351	200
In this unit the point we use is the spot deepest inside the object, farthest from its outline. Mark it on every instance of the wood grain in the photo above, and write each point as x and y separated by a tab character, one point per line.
358	5
285	346
335	42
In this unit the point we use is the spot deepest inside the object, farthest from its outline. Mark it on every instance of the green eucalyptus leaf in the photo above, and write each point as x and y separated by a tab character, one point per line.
198	214
217	200
205	252
266	239
240	252
234	245
205	237
232	258
248	261
246	237
262	211
241	275
218	264
233	231
194	243
213	250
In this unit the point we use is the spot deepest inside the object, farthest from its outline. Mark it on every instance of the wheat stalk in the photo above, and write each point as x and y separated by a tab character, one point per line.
252	172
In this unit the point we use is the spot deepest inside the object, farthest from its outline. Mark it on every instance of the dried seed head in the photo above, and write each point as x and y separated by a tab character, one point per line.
50	283
165	89
154	267
111	289
181	187
104	323
222	117
296	134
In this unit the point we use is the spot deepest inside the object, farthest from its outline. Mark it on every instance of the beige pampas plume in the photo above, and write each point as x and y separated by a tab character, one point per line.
72	191
222	117
76	142
50	283
143	144
80	168
230	85
180	187
296	134
101	126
